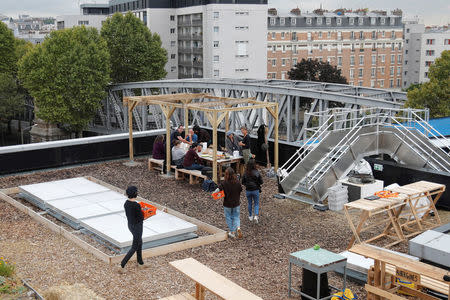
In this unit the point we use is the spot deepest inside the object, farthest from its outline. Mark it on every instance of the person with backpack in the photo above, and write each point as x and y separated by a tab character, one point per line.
231	202
252	180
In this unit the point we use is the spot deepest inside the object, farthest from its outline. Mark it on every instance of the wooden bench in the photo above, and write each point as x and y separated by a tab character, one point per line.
194	175
157	165
183	296
207	279
388	266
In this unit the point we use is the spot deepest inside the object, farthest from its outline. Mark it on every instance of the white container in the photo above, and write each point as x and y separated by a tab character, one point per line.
204	147
236	154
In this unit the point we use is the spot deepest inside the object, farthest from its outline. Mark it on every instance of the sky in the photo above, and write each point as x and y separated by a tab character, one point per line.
431	12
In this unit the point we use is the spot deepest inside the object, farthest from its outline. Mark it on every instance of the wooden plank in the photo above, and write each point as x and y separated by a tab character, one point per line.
382	293
212	281
416	293
214	124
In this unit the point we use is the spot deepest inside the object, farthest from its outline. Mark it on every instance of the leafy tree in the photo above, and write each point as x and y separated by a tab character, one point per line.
11	97
21	48
67	75
7	50
434	94
136	53
314	70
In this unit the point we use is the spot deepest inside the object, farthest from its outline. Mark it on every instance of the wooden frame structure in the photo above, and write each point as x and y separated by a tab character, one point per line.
216	111
214	234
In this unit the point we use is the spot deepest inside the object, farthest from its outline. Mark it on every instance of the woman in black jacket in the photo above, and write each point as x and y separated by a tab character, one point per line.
252	180
231	203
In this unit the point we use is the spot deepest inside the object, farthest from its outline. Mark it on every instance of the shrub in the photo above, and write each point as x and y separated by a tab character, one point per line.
6	270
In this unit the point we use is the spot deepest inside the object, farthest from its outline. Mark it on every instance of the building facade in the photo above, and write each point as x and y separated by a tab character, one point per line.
206	38
365	46
92	15
422	46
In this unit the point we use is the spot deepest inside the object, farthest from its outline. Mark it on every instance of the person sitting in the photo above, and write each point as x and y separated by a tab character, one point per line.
232	143
203	135
191	160
178	134
192	137
177	153
158	151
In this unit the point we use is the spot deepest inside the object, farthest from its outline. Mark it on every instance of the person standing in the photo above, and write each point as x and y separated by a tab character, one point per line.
135	219
252	180
178	134
203	135
245	144
231	202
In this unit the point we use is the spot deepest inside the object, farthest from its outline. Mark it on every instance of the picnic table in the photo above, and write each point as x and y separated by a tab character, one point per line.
391	212
221	161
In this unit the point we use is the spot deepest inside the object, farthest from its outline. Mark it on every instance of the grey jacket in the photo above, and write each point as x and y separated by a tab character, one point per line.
233	145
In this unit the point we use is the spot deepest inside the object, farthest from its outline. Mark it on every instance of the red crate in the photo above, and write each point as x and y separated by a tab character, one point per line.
147	209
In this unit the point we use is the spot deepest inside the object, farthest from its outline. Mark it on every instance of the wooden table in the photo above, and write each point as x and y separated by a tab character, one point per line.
206	278
398	221
223	161
388	266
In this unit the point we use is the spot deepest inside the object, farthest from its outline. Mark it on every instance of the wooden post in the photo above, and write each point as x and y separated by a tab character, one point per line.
214	126
227	122
275	158
186	121
168	113
130	130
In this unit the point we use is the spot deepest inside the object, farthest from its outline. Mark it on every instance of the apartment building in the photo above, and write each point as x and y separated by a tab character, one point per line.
206	38
365	46
422	46
92	15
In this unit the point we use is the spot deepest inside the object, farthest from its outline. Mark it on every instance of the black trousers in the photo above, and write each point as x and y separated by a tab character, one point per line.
136	231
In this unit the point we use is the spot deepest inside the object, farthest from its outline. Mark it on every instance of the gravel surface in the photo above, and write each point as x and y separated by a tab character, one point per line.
258	262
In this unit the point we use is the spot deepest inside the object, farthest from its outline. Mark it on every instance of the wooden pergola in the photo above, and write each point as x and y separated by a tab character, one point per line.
216	111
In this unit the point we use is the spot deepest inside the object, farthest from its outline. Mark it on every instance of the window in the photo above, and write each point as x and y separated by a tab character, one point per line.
241	28
272	21
383	34
339	21
216	15
216	73
383	21
352	60
374	59
329	34
319	21
309	36
382	70
274	48
172	30
241	47
83	22
373	72
447	42
294	61
351	21
429	52
241	13
216	44
361	35
172	18
391	83
374	46
392	58
383	58
283	62
241	70
399	59
282	21
360	21
393	46
382	83
216	58
407	41
274	62
283	48
293	21
428	63
173	43
361	59
398	82
352	73
360	83
393	34
339	62
399	71
172	56
391	71
173	69
339	35
406	51
282	35
308	21
320	34
426	74
372	83
294	36
407	30
360	72
392	21
430	41
374	35
352	35
328	21
216	29
273	35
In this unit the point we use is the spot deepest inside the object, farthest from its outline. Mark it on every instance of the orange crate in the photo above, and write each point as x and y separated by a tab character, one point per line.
147	209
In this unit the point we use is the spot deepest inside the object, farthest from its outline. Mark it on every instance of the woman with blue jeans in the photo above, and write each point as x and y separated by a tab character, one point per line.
231	202
252	180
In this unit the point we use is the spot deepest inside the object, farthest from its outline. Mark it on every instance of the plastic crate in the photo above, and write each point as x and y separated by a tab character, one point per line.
148	210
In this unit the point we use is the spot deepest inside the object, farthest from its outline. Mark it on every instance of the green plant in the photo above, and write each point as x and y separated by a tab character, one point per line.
6	270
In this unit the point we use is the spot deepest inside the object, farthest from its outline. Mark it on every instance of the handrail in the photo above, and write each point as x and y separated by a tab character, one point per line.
440	138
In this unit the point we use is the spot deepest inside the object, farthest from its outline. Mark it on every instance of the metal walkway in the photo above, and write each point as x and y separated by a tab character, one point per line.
347	136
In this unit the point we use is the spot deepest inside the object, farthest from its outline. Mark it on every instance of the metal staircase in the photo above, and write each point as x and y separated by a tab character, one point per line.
349	135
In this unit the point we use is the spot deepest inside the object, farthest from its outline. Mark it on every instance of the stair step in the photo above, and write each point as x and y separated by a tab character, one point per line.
303	190
301	199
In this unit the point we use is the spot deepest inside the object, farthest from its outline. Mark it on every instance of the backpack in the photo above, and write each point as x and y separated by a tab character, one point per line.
208	171
209	186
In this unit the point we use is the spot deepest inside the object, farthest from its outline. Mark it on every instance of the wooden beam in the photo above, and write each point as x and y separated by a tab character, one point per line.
221	117
275	158
384	294
165	97
214	124
130	131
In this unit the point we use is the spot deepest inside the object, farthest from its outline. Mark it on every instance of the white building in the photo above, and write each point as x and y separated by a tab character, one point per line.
212	40
92	15
422	46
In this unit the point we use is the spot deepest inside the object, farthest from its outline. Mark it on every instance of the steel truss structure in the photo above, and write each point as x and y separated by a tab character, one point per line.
293	98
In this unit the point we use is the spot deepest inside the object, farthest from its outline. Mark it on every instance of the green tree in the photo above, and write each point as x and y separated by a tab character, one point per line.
434	94
67	75
314	70
11	97
7	50
136	53
21	48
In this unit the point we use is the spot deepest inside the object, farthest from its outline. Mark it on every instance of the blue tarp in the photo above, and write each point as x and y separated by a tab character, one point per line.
442	125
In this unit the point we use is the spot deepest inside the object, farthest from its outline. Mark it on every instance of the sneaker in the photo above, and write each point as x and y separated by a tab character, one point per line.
239	232
120	269
256	219
250	218
231	234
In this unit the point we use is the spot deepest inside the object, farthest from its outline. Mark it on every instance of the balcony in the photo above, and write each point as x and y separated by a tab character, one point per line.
197	36
186	50
185	36
197	22
197	76
198	64
198	50
184	75
184	23
186	63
